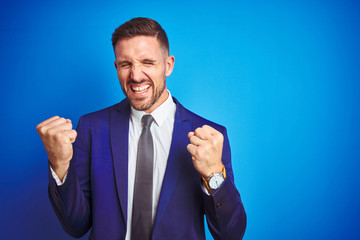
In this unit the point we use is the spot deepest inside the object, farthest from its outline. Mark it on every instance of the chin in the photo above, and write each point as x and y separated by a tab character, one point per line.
140	106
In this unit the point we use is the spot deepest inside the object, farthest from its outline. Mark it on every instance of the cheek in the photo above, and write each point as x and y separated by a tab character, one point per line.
122	76
157	75
122	82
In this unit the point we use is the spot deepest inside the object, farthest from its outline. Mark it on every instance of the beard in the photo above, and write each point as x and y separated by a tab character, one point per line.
145	103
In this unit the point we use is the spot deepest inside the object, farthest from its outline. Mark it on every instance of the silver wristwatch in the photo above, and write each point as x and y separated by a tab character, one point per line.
215	180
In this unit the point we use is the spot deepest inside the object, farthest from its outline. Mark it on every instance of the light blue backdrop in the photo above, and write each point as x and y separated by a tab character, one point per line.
282	76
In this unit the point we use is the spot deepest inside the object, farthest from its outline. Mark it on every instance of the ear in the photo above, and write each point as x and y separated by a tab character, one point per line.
170	61
115	64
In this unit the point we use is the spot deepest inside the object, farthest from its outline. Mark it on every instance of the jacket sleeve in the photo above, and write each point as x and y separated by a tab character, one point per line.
224	210
71	201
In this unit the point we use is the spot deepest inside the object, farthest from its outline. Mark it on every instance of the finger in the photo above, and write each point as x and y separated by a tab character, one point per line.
190	134
46	121
70	133
44	129
202	133
60	127
71	136
192	149
55	122
196	141
210	130
216	135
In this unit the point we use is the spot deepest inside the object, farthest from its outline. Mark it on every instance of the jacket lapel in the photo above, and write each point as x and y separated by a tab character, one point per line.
119	134
178	152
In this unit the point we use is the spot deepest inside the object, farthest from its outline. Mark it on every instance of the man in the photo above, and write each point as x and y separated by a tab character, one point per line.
145	168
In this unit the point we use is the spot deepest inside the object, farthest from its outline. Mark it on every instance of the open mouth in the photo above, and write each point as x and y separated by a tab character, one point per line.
139	89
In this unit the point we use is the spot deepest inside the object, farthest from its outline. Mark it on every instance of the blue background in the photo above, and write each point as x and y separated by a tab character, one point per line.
282	76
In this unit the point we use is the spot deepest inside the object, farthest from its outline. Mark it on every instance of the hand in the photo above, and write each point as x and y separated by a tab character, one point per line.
57	136
206	146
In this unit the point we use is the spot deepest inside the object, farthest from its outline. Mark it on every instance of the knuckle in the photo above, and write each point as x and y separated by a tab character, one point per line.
50	132
220	135
197	131
43	131
57	136
188	147
199	151
40	129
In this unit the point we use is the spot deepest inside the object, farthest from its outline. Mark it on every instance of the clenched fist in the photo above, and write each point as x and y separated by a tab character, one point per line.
57	136
206	146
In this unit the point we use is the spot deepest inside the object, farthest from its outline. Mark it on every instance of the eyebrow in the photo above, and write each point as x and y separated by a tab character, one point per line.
123	61
149	60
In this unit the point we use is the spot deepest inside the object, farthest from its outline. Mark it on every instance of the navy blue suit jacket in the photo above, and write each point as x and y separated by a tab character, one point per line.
94	194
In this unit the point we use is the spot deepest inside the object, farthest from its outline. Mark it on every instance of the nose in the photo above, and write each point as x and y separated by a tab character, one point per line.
136	72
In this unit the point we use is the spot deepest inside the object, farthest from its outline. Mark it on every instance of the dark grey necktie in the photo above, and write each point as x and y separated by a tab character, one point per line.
141	224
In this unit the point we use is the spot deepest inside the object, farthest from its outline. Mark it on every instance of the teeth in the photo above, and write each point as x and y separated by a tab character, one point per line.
139	89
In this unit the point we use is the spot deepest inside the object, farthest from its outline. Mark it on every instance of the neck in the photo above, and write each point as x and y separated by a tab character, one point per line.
164	95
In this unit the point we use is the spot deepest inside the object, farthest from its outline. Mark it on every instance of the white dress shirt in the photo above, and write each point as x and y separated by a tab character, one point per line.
161	130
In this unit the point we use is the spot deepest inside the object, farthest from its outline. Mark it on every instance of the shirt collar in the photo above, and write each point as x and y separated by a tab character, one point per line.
159	114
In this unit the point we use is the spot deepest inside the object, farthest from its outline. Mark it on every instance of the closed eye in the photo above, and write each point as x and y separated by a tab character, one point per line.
124	64
148	62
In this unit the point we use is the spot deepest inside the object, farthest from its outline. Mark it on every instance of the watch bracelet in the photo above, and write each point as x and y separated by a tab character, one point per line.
206	180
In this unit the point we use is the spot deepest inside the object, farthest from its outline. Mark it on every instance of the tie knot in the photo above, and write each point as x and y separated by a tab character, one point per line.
147	120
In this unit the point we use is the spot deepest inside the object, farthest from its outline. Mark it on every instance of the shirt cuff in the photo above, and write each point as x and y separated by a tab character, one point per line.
204	188
57	179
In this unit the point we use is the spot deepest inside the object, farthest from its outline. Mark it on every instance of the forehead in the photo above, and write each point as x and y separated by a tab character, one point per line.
139	46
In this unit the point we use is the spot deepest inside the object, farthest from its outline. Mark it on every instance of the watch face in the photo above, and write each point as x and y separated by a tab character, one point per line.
215	181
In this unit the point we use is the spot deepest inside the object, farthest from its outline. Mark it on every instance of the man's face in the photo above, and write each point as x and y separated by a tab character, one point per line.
142	67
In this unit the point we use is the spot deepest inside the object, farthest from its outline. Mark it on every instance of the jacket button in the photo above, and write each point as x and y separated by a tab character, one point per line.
218	205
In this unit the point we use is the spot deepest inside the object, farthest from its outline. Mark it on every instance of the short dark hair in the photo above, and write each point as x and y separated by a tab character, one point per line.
140	27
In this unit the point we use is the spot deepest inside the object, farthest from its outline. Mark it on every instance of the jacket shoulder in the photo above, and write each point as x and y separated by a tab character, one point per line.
104	114
196	119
